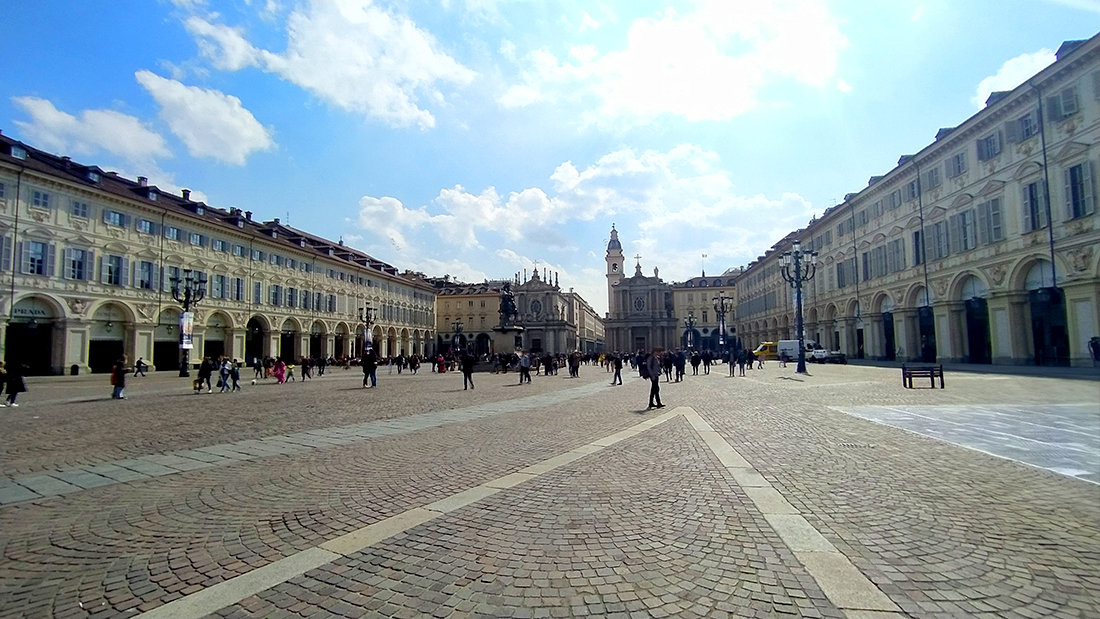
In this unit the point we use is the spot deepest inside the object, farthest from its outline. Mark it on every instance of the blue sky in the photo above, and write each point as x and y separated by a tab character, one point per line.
478	137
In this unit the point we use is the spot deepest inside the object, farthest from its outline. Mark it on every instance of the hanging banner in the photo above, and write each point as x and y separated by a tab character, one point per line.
187	323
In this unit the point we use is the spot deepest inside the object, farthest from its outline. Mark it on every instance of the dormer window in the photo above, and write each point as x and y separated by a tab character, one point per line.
240	223
18	152
301	242
93	176
199	210
152	195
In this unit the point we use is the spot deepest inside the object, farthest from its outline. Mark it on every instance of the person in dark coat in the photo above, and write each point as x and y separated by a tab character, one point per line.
14	381
653	372
617	363
206	370
370	367
468	361
118	379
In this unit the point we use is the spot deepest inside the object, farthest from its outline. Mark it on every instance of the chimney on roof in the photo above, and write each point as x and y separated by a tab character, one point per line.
186	194
143	182
68	163
248	215
276	221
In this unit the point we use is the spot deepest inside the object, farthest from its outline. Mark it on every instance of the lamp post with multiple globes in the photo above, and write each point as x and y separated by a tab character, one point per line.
187	291
798	267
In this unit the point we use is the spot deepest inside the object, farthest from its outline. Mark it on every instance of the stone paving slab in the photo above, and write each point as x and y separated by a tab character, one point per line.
1064	438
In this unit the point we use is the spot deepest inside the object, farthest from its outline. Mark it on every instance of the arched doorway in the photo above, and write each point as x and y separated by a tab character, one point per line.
166	341
288	341
254	342
482	344
108	337
341	340
1049	331
317	340
217	332
979	345
890	347
391	343
29	336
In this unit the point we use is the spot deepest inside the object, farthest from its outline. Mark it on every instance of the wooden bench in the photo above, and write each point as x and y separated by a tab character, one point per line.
931	372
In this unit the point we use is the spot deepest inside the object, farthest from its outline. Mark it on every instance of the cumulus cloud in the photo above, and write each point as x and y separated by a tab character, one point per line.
670	199
352	54
94	131
706	65
1011	74
209	122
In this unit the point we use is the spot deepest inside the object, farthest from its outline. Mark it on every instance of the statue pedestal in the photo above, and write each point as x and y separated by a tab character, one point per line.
517	343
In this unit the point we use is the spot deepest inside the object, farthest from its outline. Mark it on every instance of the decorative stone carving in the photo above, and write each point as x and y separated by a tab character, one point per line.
79	224
78	306
146	310
1080	259
939	286
996	274
1078	226
239	317
114	232
39	215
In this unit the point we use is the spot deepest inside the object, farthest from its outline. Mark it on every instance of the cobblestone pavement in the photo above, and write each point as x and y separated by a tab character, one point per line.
535	511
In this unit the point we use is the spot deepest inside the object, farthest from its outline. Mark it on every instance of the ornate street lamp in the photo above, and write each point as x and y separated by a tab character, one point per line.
457	324
366	320
193	290
722	306
689	322
798	267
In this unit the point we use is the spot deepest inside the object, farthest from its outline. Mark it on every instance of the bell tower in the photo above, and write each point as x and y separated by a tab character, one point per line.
614	268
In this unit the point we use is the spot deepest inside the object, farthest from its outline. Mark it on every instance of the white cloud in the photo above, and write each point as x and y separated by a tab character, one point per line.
706	65
587	23
225	47
94	131
352	54
1011	74
918	13
209	122
672	198
843	86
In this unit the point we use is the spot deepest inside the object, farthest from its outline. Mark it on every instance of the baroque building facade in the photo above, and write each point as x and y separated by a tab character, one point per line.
553	321
694	304
980	248
640	311
90	256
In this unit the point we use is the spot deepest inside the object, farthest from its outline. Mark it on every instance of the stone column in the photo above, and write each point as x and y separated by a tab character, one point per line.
909	334
956	335
330	345
874	343
1019	326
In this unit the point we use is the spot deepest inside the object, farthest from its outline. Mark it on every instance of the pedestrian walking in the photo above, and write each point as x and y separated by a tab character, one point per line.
14	381
742	359
524	368
258	367
3	381
206	370
224	369
617	362
118	379
370	368
468	361
235	374
651	369
139	367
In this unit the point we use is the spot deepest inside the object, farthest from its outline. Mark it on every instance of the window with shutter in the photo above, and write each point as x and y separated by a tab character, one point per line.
1079	190
5	252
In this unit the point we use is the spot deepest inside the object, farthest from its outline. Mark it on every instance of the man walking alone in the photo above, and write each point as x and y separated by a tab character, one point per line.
524	368
653	369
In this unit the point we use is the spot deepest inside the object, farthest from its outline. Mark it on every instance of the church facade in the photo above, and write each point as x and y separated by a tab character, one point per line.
640	308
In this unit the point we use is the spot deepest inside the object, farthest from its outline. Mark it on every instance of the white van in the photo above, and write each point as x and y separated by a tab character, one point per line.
790	347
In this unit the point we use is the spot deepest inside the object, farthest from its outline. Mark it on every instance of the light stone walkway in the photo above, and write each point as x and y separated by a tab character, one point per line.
30	487
1064	438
